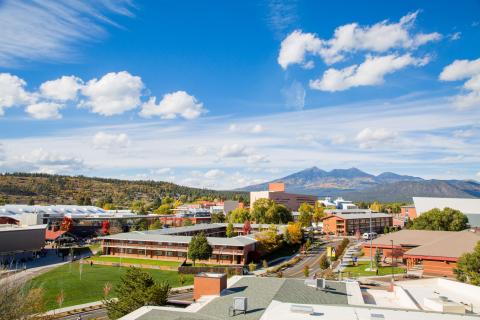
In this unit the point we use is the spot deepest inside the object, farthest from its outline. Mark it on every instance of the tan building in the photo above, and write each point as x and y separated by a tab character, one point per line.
276	192
348	222
436	252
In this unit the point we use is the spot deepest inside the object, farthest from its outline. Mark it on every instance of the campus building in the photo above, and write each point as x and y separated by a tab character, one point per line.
20	241
172	243
268	298
469	207
430	252
351	221
276	192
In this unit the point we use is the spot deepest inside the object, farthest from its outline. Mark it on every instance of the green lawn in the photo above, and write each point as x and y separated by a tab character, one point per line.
151	262
362	265
90	287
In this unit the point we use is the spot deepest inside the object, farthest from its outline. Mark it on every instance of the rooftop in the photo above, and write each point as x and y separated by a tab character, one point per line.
407	237
467	206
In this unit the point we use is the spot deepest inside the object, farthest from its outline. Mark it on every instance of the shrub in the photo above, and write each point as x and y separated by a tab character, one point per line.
252	266
324	263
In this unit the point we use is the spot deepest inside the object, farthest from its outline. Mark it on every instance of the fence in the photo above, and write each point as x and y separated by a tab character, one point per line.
229	270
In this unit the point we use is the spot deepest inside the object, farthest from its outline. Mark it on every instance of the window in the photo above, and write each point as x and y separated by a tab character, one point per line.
170	253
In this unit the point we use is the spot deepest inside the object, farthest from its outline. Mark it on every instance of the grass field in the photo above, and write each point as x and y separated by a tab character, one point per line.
90	286
136	261
362	265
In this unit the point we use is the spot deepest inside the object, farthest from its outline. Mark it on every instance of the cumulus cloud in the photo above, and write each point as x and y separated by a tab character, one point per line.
370	72
172	105
40	160
464	70
368	137
12	92
114	93
44	110
103	140
257	128
61	89
295	46
350	38
234	150
214	174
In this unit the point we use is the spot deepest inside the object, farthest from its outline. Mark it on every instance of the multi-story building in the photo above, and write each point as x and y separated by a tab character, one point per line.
349	222
172	243
20	241
276	192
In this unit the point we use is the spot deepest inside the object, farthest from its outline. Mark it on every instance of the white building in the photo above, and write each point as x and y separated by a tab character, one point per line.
470	207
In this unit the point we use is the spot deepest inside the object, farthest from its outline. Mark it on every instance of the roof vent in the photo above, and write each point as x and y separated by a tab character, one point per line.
239	306
377	316
295	308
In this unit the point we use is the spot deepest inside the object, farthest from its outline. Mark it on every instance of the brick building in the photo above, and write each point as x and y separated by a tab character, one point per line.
276	192
347	222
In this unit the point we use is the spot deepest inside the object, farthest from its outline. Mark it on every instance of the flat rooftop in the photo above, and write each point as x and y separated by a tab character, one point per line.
260	293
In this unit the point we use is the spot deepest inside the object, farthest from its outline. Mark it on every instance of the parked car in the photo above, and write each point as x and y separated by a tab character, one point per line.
369	235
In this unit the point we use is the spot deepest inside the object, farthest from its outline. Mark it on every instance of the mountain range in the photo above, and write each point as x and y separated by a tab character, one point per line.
357	185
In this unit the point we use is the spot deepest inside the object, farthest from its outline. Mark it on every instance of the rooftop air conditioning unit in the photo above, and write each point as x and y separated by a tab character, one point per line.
295	308
239	306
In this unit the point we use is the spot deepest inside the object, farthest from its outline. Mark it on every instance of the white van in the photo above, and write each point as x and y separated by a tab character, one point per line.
369	235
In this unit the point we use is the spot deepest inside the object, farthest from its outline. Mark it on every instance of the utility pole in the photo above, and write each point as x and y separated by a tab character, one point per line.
393	279
371	239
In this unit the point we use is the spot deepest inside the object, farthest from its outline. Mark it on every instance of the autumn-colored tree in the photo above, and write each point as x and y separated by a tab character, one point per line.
376	207
163	209
230	232
295	234
238	215
306	214
268	239
318	214
247	228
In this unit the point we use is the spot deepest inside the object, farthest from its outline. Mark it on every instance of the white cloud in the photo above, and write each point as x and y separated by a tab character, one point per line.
463	133
338	139
47	30
174	104
368	137
103	140
370	72
44	110
163	171
214	174
61	89
232	127
12	92
462	70
257	158
114	93
294	96
478	174
234	150
40	160
257	128
455	36
200	150
350	38
295	46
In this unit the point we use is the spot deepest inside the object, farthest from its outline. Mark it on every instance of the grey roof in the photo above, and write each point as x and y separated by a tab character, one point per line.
169	235
260	292
349	216
53	209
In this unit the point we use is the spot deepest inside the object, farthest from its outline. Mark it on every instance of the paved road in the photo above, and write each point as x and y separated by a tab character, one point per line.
312	259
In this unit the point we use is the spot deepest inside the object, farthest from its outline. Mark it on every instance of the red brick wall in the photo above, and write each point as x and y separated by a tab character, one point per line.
206	286
330	224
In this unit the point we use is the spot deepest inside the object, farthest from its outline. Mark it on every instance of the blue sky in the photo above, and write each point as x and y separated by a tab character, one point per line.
232	93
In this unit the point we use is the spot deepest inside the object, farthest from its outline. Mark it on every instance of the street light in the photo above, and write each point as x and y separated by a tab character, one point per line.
393	279
371	239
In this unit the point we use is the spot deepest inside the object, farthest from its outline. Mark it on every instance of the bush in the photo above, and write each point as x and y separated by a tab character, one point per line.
265	264
324	263
252	267
306	271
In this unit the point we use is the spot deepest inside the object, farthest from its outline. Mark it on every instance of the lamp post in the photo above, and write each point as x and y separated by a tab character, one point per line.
370	236
393	279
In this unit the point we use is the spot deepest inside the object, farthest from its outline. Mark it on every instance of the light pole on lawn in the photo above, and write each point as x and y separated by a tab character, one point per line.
371	239
393	279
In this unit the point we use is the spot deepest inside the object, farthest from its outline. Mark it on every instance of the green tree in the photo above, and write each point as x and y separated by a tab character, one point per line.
138	207
442	220
136	289
377	259
468	267
268	239
163	209
306	271
230	232
157	224
238	215
199	248
306	214
324	263
260	208
386	229
187	223
308	244
217	218
318	214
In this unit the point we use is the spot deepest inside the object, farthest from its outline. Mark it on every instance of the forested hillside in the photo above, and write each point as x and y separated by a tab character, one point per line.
27	188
